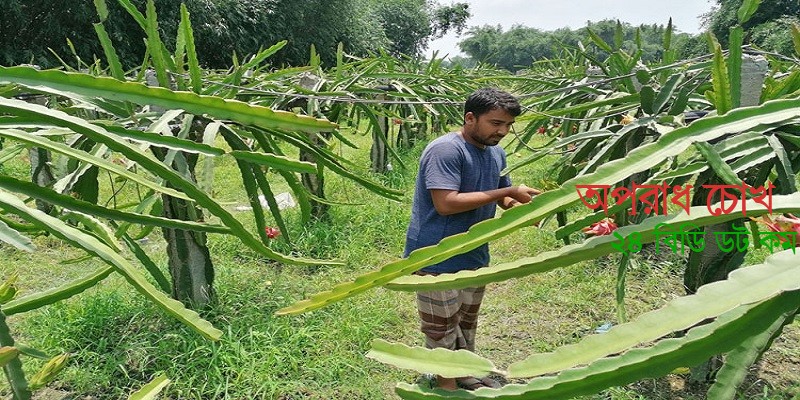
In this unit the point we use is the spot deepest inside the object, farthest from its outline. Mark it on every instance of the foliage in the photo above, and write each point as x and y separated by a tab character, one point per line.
119	341
226	28
152	140
629	128
775	36
521	46
650	143
409	24
636	363
768	27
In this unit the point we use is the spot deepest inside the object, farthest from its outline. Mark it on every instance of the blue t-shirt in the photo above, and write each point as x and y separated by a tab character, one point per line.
450	163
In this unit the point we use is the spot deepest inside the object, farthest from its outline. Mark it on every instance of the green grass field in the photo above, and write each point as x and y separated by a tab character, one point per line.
119	341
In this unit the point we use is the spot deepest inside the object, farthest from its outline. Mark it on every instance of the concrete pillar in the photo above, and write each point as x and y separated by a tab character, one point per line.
754	71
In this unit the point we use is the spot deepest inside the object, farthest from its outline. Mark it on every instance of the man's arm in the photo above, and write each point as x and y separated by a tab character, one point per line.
448	202
507	202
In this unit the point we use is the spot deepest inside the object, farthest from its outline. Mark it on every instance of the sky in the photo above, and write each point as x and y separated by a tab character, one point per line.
549	15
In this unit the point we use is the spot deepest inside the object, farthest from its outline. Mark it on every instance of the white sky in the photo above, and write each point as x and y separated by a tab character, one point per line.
549	15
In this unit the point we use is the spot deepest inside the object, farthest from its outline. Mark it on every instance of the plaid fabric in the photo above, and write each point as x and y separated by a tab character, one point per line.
449	318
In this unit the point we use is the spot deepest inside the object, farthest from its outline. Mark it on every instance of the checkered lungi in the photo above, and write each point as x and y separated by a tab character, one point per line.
449	318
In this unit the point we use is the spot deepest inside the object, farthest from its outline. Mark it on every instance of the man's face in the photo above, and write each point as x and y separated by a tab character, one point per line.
488	129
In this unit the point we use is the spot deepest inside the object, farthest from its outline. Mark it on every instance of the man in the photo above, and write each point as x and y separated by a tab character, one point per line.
459	184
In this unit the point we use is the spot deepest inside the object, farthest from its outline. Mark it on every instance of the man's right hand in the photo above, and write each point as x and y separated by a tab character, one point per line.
523	194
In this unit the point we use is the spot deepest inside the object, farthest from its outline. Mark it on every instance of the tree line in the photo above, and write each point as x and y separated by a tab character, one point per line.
769	29
43	31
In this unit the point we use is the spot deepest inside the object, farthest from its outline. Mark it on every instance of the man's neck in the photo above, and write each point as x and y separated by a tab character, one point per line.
470	140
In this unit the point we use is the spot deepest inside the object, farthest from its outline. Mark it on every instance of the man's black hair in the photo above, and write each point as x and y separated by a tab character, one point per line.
487	99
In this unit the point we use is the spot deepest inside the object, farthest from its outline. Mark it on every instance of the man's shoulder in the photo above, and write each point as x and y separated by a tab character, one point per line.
447	143
449	138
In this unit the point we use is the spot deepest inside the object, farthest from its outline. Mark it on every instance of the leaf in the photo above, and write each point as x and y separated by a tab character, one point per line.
562	142
91	245
161	124
7	353
178	57
253	178
666	92
54	295
94	227
619	36
590	249
614	144
746	10
638	39
440	361
599	41
71	203
148	264
785	87
185	26
31	352
668	36
796	37
630	99
681	101
205	175
378	133
138	93
131	9
14	238
756	157
786	174
9	152
236	77
102	9
720	167
739	360
697	345
743	286
268	143
153	166
167	142
640	159
155	44
735	65
647	95
151	390
109	51
642	76
274	161
57	147
719	77
333	162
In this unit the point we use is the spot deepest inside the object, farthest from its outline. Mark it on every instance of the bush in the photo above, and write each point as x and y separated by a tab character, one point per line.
221	28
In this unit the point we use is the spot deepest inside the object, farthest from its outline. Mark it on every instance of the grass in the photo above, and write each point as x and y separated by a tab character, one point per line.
119	341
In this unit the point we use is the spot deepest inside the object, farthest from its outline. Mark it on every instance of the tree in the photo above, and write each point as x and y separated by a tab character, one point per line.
227	27
775	35
409	24
776	18
520	46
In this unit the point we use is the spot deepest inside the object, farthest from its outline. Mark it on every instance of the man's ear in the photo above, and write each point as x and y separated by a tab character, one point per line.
470	118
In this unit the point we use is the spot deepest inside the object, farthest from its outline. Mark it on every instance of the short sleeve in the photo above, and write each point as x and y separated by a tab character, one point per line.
442	167
505	180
